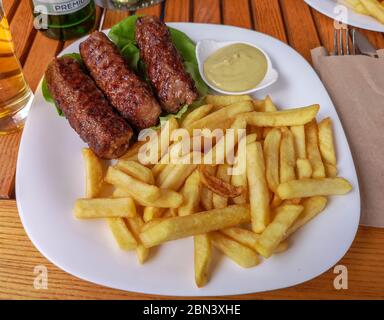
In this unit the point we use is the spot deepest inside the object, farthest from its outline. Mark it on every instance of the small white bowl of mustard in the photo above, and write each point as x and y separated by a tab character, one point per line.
233	67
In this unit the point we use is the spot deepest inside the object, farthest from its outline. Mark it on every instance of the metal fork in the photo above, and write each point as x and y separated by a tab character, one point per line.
340	37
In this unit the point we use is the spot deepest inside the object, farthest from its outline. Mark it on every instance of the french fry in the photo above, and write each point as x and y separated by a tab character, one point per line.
258	190
158	168
287	157
269	240
151	213
312	207
206	194
216	119
104	208
220	201
271	152
136	170
223	101
304	168
330	170
197	114
171	212
137	189
283	246
198	223
191	194
242	255
251	137
133	151
168	199
269	106
276	201
284	118
259	105
135	224
93	173
313	152
248	238
177	175
298	133
122	234
327	148
240	180
313	187
202	258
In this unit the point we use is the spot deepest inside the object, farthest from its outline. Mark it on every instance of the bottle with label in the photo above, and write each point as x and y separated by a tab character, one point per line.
64	19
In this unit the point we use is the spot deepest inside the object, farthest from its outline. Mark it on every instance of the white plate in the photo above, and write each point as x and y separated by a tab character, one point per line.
329	8
50	176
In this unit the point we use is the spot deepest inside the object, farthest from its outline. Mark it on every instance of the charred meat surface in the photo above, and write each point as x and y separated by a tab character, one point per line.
130	95
173	85
87	110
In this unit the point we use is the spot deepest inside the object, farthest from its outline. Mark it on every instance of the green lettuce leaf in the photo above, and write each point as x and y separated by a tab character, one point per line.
123	32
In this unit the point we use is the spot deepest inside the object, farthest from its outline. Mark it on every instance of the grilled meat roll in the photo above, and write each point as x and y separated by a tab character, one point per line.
130	95
173	85
87	110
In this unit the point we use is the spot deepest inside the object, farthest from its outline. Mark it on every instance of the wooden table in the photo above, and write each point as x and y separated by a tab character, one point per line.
291	21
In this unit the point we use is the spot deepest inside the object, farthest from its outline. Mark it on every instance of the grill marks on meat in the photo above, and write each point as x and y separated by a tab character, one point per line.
173	85
87	110
130	95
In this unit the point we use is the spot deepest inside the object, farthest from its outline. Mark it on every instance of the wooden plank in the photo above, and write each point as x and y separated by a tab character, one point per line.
237	13
177	11
19	258
114	16
207	11
325	29
268	19
300	27
151	11
10	7
9	146
22	30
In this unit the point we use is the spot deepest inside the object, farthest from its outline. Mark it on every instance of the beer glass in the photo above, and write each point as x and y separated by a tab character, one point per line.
15	94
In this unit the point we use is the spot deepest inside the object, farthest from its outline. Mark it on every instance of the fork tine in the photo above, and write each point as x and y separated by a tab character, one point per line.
347	40
341	42
335	51
353	42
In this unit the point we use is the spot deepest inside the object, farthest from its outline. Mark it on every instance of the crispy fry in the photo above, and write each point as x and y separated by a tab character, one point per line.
122	234
151	213
249	238
217	185
330	170
374	9
259	105
171	212
135	224
304	168
197	114
287	157
327	148
158	168
269	106
216	119
240	181
313	152
176	176
198	223
206	194
298	133
251	137
242	255
284	118
202	255
313	187
137	189
133	151
93	173
276	201
223	101
269	240
271	154
191	194
136	170
218	200
104	208
312	207
258	190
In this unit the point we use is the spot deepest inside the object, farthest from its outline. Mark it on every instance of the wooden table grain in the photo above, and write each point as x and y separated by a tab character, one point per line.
290	21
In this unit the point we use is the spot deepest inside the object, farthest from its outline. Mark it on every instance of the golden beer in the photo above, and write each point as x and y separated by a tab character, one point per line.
14	91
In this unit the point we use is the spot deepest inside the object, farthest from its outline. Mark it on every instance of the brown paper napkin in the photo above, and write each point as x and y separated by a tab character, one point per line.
356	86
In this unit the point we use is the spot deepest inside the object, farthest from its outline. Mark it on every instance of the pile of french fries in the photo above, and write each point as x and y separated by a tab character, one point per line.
290	169
373	8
